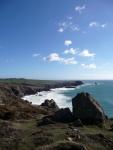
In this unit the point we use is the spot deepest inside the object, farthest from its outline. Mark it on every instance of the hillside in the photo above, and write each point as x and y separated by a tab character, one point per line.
25	126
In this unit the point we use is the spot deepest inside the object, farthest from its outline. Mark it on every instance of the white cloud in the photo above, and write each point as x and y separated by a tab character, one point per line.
86	53
82	65
52	57
74	27
78	8
35	55
61	30
67	42
69	17
55	57
69	61
91	66
63	24
103	25
97	24
72	51
69	25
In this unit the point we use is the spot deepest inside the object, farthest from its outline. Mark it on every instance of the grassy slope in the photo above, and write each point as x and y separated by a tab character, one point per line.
30	81
27	135
20	130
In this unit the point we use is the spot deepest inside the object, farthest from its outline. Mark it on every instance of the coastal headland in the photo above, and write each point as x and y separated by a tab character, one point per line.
26	126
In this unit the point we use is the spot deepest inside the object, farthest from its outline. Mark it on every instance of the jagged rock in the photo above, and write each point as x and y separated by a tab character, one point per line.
87	109
50	104
63	115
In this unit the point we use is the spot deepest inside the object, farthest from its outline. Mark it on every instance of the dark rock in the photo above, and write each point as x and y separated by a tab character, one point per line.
8	115
27	90
78	83
50	104
15	91
87	109
77	123
63	115
101	136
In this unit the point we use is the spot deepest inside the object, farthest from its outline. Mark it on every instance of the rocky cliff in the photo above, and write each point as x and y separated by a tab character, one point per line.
28	89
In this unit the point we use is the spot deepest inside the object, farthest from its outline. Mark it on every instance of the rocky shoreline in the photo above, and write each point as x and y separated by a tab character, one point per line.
28	89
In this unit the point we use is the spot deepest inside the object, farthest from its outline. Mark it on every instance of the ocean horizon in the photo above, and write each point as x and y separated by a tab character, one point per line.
100	90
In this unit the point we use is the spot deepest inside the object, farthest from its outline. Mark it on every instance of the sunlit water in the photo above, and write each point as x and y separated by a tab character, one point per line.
102	92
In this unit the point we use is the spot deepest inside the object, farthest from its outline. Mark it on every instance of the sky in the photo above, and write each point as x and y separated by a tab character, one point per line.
56	39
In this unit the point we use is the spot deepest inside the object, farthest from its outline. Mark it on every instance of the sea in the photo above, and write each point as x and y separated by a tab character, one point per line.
100	90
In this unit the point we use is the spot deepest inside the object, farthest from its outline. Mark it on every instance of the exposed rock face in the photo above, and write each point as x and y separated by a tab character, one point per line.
63	115
87	109
50	104
15	91
27	90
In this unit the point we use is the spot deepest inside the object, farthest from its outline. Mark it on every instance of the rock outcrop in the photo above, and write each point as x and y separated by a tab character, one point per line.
87	109
78	83
50	104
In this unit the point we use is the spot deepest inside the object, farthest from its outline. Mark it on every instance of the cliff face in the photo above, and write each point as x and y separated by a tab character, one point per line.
28	89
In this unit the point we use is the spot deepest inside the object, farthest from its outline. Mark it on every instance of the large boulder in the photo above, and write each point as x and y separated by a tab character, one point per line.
87	109
63	115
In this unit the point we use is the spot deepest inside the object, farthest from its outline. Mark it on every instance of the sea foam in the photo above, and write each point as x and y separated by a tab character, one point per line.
55	94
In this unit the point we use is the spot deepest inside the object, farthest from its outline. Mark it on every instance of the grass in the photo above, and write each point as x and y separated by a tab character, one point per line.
30	82
55	136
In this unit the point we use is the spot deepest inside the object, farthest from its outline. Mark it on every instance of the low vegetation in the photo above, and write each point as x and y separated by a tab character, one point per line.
20	129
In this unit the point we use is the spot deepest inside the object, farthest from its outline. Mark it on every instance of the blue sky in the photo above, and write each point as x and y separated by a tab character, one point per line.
56	39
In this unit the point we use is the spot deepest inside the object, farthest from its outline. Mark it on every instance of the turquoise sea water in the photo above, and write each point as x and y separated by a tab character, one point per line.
102	92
